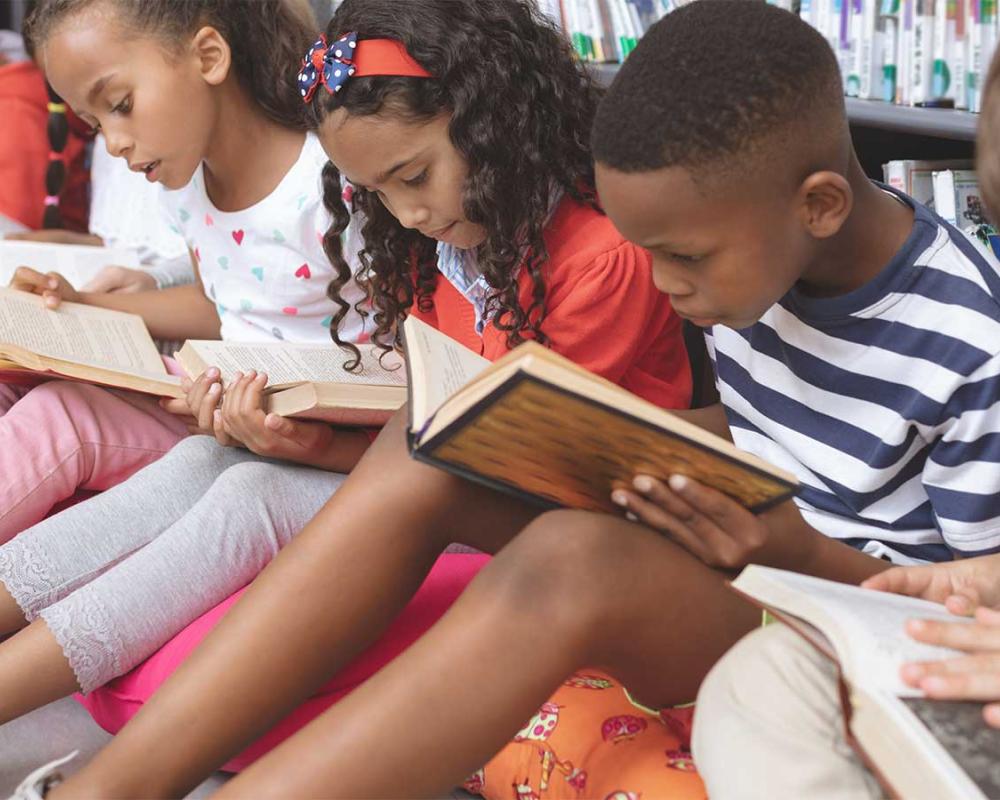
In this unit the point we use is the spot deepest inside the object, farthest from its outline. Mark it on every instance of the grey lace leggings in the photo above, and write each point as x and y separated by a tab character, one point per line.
117	576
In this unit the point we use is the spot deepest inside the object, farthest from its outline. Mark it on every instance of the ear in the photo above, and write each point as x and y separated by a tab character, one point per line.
824	201
211	50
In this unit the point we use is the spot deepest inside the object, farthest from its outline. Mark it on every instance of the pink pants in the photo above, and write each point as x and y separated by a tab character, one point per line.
58	437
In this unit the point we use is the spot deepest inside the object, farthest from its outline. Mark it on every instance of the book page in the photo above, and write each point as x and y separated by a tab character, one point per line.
76	263
873	622
440	366
290	364
78	333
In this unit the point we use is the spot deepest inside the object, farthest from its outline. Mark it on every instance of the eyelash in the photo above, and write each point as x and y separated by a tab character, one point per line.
122	108
416	181
682	259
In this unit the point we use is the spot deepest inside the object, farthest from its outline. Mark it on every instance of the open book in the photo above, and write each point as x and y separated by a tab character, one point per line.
309	381
76	263
79	342
918	747
537	425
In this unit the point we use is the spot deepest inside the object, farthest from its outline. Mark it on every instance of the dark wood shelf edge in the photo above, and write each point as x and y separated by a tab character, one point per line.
942	123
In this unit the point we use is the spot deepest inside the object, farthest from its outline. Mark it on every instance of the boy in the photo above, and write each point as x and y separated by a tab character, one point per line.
769	717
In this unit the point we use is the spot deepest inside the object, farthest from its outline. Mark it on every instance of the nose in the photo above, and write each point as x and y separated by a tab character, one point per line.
411	214
119	145
665	279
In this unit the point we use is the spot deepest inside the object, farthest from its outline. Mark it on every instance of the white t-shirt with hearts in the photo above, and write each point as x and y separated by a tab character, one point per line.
264	267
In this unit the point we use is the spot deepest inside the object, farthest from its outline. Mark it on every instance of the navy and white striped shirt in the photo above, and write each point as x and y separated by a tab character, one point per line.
885	402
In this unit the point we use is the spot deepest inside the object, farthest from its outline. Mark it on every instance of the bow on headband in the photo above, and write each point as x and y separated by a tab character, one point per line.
331	66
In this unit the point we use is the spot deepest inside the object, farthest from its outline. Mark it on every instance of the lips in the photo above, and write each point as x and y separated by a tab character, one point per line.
440	232
148	168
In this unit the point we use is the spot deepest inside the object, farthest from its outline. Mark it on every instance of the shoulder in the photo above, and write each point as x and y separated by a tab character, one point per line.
583	243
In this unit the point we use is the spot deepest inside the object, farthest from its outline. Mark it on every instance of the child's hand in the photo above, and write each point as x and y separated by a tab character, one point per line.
971	677
52	286
714	527
200	404
242	416
121	280
961	585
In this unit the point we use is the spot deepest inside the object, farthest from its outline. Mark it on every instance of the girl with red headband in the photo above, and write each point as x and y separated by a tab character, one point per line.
462	128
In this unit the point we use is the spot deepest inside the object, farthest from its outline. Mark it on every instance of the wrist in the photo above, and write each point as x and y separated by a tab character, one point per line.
343	451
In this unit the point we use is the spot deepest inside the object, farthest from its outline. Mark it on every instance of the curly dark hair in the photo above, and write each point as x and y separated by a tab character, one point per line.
521	109
713	79
264	36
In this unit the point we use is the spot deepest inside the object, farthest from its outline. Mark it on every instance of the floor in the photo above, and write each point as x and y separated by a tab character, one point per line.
51	733
62	727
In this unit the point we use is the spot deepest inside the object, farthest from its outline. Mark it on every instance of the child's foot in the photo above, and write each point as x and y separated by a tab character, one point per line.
38	783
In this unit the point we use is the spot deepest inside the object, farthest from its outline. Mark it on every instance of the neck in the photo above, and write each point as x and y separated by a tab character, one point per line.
875	229
245	135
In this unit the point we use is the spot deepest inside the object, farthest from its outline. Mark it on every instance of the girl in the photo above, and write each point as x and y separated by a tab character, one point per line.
482	220
106	582
133	70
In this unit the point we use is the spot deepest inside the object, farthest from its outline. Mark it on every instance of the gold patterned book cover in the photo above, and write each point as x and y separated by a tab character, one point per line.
536	424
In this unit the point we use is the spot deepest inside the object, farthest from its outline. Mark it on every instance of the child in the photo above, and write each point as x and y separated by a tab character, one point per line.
486	230
785	735
735	168
113	578
254	232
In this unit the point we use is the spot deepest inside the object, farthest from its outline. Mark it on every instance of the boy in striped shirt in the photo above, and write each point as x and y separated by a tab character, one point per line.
856	342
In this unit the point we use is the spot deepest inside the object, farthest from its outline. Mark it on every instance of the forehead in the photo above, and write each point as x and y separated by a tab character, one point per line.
364	147
652	205
87	47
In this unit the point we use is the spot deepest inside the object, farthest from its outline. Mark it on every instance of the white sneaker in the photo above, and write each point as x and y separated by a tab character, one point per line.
38	783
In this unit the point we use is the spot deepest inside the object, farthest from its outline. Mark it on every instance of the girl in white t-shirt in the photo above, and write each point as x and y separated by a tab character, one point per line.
185	96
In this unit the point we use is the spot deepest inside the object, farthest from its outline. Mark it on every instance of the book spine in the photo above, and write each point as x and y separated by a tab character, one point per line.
921	64
894	174
944	195
889	24
959	55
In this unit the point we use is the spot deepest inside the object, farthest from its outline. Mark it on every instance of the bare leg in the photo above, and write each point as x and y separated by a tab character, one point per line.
11	616
573	590
33	672
326	597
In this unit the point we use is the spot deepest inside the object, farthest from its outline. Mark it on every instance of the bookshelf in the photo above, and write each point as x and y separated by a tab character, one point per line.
884	131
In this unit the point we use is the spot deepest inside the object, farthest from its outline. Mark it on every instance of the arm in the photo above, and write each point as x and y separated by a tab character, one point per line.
725	535
710	418
183	312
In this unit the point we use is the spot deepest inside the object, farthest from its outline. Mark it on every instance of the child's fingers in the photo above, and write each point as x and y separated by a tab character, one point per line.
968	636
965	604
710	503
911	581
200	387
991	713
206	411
26	279
176	405
219	428
657	492
983	686
658	518
282	426
253	394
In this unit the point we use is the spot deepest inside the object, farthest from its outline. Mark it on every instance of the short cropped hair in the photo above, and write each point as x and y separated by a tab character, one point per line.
714	79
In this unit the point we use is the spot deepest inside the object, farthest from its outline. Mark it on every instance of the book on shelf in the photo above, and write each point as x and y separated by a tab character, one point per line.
916	178
536	425
917	747
956	196
79	342
309	381
76	263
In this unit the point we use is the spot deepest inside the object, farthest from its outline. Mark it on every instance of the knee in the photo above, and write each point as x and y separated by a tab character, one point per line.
560	569
196	450
749	685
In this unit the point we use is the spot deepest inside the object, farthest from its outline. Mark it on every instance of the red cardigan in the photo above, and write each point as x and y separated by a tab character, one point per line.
602	310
